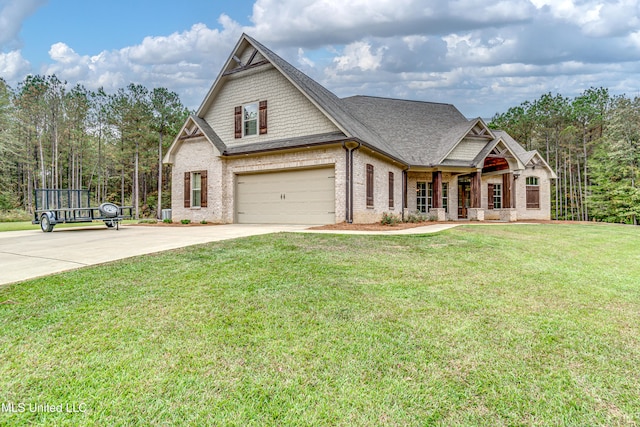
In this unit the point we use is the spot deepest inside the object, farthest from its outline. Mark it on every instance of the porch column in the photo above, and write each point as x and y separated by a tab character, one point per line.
508	212
437	210
436	179
476	190
476	213
507	184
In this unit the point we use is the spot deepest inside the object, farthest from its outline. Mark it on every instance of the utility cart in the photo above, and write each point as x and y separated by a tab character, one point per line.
60	206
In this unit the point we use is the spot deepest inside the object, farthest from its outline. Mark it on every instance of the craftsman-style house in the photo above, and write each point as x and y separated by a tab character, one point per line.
271	145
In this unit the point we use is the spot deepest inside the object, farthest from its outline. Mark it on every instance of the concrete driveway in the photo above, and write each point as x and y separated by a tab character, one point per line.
29	254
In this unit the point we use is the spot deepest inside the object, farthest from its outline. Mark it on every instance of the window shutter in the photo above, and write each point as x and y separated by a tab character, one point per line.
187	189
263	117
533	197
369	185
238	122
490	196
203	189
391	192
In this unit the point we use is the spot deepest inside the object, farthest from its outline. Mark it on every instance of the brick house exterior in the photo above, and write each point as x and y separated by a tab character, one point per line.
269	144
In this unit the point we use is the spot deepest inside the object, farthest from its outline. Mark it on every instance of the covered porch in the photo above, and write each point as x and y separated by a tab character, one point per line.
456	192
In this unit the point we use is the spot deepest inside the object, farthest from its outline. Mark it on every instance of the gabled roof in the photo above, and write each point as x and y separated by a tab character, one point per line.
414	133
328	103
195	127
526	157
474	128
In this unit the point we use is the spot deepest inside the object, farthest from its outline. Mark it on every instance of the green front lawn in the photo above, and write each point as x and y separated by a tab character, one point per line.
478	325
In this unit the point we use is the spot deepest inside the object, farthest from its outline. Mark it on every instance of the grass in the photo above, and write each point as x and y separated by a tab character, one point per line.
27	225
480	326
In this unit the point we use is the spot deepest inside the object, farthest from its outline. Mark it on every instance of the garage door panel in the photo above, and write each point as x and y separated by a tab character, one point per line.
294	197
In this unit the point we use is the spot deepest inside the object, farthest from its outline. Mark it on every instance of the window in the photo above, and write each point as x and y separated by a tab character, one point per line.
533	192
369	185
496	196
251	119
195	189
445	196
391	192
421	197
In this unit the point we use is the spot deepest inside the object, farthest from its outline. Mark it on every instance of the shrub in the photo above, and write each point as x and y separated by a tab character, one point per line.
15	215
389	219
415	217
185	221
167	221
147	221
204	221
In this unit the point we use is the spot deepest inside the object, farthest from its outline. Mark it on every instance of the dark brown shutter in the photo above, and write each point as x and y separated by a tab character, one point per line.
533	197
203	189
369	185
490	196
263	117
187	189
238	122
391	192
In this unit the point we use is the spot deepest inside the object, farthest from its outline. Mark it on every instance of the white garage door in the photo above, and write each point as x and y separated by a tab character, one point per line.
287	197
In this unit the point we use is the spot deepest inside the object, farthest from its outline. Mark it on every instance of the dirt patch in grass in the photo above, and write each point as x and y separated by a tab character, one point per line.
374	226
404	225
174	224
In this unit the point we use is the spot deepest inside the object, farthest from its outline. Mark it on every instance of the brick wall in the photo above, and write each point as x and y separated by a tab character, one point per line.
195	155
545	195
361	212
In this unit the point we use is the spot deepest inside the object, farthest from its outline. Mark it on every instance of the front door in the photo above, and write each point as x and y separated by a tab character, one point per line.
464	196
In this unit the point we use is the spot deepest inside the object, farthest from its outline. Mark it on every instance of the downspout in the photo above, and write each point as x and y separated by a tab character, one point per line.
349	181
405	189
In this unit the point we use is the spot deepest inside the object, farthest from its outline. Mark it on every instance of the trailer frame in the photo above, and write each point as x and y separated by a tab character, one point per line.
58	206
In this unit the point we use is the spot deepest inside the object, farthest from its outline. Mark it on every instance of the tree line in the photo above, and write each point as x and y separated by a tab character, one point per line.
56	136
592	142
53	135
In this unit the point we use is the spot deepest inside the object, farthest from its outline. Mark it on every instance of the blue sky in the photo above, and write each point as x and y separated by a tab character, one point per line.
481	55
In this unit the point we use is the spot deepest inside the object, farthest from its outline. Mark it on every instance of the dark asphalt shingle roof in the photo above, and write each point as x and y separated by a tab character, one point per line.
414	132
422	132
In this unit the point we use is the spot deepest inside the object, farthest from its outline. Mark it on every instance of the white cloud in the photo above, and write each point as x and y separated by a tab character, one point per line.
13	66
180	61
358	55
303	60
477	54
12	15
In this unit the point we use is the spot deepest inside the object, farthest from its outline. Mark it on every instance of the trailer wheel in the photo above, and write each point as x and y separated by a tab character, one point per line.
109	224
108	210
45	223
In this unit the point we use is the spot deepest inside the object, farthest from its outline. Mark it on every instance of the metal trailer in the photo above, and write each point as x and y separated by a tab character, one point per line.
59	206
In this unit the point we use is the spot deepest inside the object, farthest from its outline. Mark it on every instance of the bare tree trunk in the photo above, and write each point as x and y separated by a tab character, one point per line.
159	207
41	161
135	183
584	176
579	195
